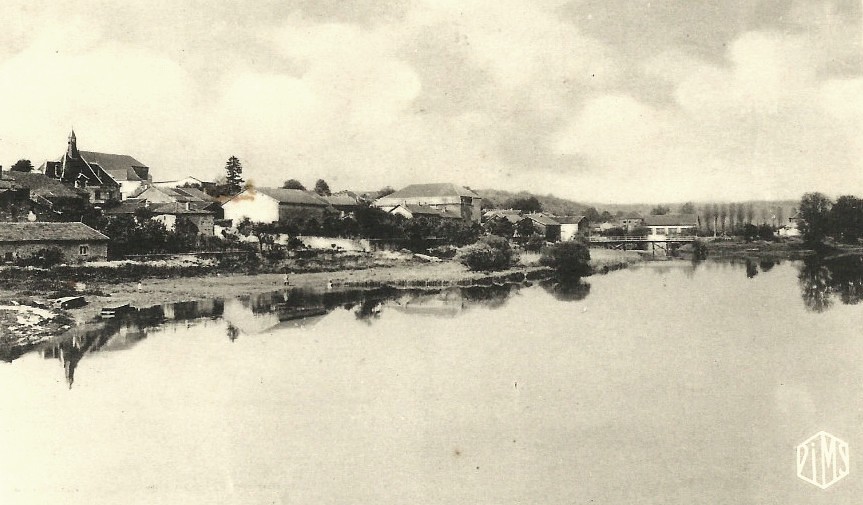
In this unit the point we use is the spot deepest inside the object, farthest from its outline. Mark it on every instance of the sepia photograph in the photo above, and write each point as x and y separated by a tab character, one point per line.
431	252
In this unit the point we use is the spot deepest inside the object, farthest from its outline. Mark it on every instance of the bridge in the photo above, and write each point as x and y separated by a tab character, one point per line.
662	243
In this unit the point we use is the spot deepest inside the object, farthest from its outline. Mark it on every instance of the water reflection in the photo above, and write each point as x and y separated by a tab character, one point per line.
820	280
123	333
267	313
568	291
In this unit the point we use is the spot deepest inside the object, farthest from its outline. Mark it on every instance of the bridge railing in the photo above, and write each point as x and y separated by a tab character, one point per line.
643	238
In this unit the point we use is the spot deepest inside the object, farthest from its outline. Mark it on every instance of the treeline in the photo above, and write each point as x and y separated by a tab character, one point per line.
373	223
822	218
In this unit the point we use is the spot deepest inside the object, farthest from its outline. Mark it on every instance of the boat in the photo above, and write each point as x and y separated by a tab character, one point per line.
70	302
111	311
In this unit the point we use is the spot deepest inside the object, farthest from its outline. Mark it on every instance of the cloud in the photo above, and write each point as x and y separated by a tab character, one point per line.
586	101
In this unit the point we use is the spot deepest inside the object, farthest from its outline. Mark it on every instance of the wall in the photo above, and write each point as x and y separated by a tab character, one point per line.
97	251
289	213
259	208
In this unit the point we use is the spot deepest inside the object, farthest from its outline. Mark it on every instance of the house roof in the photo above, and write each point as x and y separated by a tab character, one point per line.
194	193
121	167
177	208
569	219
127	206
292	196
632	215
431	190
43	185
513	216
672	220
543	219
48	232
340	200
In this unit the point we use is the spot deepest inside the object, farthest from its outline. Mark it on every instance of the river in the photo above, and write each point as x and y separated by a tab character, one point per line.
664	383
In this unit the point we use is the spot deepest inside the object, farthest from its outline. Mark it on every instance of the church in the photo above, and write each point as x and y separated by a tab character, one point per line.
106	177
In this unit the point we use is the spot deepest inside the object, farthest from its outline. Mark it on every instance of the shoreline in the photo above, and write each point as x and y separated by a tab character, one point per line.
160	291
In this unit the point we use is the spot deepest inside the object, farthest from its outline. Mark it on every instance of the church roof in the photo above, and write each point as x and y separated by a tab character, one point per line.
121	167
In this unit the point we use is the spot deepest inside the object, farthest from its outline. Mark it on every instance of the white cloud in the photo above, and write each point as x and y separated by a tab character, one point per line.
487	93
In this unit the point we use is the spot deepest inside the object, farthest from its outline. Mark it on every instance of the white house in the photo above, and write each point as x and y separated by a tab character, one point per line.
443	196
671	225
791	228
571	226
270	205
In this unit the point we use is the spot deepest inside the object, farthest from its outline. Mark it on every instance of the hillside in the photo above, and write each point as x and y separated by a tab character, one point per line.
559	206
774	212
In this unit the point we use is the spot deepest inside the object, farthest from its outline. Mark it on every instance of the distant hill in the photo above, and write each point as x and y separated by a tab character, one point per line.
774	212
559	206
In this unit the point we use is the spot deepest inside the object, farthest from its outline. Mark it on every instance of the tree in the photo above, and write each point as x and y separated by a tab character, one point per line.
741	214
234	175
591	214
322	188
501	227
707	210
524	228
388	190
660	210
293	184
22	166
846	219
814	217
750	213
723	214
528	204
570	260
687	208
606	217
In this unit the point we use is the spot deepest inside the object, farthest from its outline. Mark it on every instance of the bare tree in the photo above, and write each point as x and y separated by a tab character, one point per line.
741	214
750	213
723	214
707	211
732	214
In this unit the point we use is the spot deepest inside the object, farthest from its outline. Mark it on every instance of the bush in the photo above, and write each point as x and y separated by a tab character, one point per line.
699	250
490	253
43	258
534	244
568	259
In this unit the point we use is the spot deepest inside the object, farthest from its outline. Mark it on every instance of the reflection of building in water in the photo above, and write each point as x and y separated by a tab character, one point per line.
123	333
252	316
446	303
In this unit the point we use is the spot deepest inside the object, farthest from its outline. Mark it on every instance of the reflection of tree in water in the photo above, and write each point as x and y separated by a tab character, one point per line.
571	291
751	268
493	297
767	264
820	279
232	332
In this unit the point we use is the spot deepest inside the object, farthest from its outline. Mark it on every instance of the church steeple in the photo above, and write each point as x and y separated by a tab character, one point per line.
72	150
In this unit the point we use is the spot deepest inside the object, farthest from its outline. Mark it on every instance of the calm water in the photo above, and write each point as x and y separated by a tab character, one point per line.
660	384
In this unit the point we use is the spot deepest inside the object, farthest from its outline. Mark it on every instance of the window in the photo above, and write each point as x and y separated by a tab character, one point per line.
659	231
98	195
83	250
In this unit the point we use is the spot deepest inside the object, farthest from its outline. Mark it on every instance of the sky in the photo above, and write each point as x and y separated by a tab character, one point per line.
595	100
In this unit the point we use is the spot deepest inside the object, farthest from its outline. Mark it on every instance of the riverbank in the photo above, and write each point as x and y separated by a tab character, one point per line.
195	283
